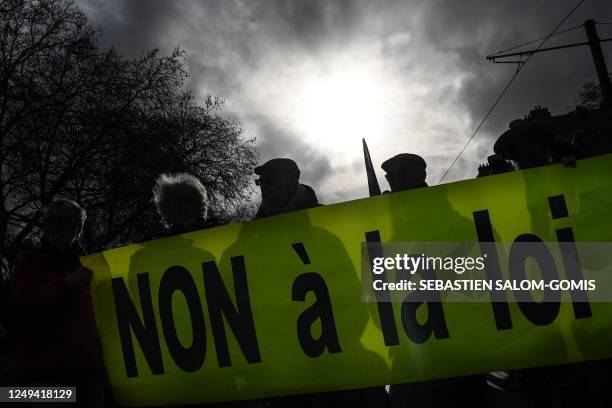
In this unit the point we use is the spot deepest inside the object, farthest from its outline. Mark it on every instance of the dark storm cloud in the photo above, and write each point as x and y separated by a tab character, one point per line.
137	25
308	23
224	39
134	25
275	141
472	29
437	45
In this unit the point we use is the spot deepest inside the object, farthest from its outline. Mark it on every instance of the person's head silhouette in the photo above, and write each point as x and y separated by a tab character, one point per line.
62	223
405	171
181	201
278	180
281	191
527	142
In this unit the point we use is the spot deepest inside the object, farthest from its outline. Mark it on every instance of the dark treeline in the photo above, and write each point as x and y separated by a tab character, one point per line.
89	124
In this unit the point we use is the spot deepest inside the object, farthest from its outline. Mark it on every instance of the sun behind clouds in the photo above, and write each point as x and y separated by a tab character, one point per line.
341	107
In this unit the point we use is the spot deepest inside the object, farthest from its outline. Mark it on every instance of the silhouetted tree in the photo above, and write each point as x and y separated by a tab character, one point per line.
590	96
92	125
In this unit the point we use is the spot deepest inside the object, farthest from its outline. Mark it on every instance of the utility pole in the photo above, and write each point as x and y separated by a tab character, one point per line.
598	58
600	64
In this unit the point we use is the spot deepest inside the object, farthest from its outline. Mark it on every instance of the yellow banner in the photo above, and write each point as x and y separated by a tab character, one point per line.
273	307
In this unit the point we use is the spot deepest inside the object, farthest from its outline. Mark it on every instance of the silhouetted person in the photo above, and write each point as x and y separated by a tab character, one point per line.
405	171
6	352
532	143
182	203
529	143
4	305
56	341
281	191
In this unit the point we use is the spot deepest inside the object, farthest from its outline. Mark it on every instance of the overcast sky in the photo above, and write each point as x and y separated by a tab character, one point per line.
308	79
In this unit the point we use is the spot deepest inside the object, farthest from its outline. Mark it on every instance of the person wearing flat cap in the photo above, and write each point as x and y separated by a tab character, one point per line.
405	171
531	143
526	142
281	191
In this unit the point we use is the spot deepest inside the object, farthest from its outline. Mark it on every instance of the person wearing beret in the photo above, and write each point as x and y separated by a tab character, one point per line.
281	191
532	143
405	171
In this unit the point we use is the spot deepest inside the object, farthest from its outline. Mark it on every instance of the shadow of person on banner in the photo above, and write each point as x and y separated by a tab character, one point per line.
306	298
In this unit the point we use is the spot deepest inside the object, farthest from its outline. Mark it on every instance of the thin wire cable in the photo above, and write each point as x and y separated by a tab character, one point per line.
539	39
503	92
518	69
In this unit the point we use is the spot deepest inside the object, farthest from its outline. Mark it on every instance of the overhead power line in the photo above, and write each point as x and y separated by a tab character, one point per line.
520	66
538	39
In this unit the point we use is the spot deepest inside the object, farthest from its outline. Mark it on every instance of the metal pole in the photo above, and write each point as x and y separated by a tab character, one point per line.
600	64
